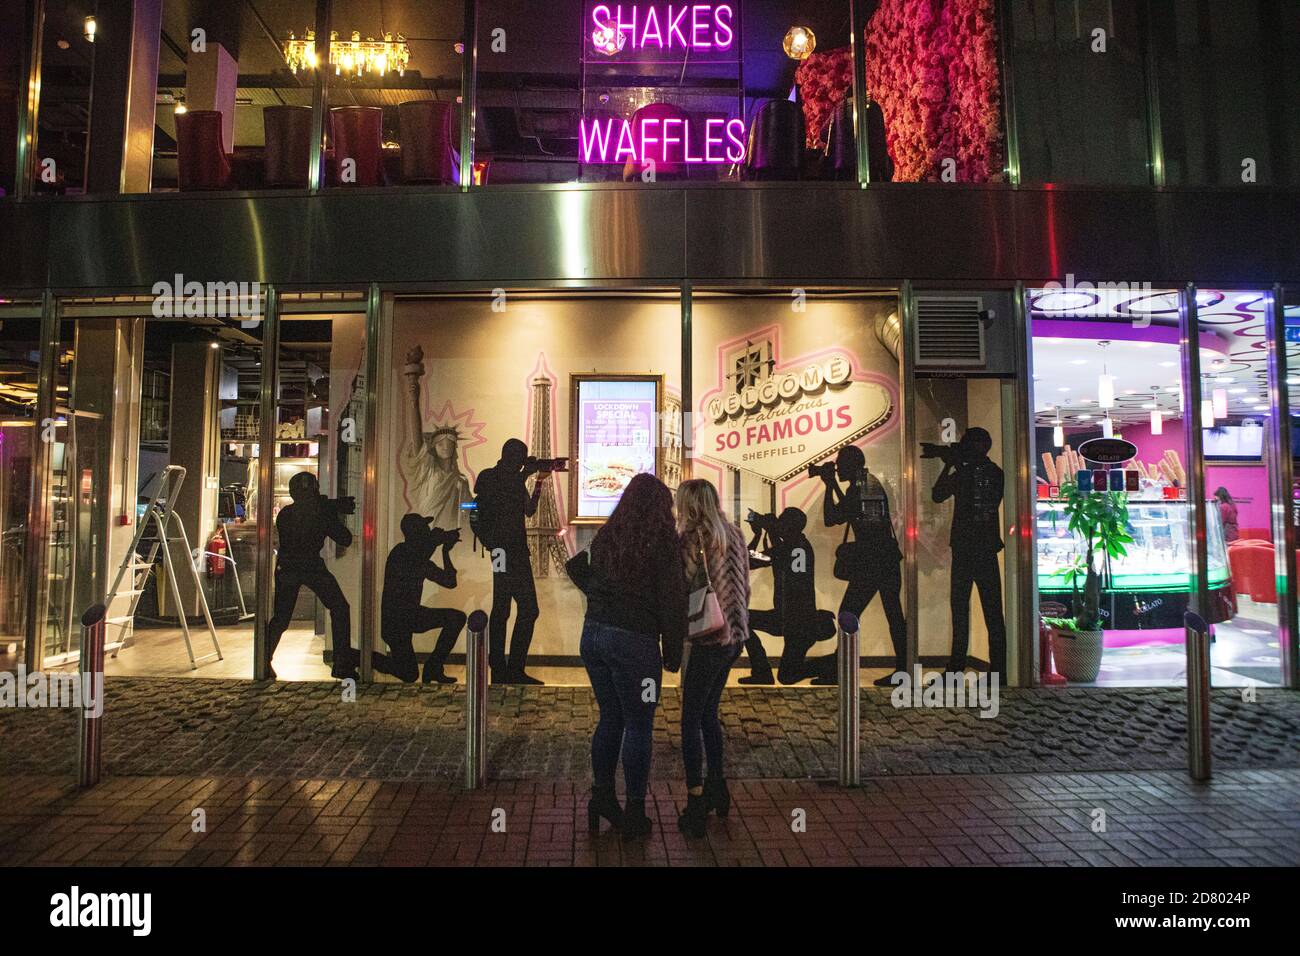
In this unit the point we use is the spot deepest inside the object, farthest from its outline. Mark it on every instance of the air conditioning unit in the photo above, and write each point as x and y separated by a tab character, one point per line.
949	331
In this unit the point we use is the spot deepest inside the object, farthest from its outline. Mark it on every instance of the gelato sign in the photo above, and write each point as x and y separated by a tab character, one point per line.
775	423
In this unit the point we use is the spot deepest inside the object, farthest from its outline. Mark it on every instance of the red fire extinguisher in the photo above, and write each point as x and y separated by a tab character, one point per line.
217	546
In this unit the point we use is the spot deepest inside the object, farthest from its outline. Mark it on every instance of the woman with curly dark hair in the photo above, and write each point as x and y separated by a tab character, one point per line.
636	597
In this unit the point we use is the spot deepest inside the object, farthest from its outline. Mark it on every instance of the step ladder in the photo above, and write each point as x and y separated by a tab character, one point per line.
160	515
244	613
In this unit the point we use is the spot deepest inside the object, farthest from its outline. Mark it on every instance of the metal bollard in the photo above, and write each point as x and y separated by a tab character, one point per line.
90	729
1198	696
476	696
849	716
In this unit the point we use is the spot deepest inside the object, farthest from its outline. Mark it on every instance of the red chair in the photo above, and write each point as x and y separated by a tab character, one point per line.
671	166
1254	560
358	135
427	132
1254	534
286	156
201	161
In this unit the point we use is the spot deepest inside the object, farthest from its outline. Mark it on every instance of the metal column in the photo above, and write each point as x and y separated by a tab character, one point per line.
468	67
1024	588
476	698
1006	42
1151	75
688	392
907	437
1189	336
38	504
1281	478
90	727
319	99
370	484
268	397
29	105
849	660
857	44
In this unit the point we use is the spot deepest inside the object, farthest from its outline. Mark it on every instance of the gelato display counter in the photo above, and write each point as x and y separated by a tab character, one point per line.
1147	588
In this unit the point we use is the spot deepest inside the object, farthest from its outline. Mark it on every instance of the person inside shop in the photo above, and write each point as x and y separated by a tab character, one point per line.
634	629
402	614
302	528
870	563
794	613
970	476
502	503
1227	514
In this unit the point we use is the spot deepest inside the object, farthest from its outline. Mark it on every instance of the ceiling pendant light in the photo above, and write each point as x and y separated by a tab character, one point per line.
1220	398
1105	382
1207	413
1107	428
1157	418
1058	432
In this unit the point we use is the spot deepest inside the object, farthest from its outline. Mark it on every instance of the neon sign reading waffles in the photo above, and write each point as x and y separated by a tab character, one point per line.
661	140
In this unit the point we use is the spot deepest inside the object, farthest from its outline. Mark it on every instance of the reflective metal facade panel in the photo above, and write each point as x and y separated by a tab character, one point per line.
657	232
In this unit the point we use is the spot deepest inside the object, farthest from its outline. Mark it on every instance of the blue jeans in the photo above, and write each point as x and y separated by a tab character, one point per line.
702	684
619	663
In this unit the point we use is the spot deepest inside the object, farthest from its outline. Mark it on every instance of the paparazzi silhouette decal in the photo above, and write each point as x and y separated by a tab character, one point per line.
410	564
302	528
970	477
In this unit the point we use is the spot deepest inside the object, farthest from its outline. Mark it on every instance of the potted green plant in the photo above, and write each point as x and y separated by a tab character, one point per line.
1101	518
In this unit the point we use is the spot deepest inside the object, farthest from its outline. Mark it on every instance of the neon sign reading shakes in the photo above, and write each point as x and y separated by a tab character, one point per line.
698	26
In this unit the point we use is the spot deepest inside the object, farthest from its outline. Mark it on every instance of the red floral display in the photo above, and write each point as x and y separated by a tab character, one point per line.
824	81
932	68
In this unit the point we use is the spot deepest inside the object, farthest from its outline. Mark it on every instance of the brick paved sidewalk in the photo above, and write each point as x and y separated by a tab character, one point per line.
204	727
1158	818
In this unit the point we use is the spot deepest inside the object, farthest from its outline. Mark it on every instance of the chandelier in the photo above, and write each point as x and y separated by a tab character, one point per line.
355	57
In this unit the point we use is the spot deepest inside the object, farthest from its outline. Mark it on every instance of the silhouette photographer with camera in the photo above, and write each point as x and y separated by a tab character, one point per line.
794	615
976	482
503	502
402	615
870	562
302	528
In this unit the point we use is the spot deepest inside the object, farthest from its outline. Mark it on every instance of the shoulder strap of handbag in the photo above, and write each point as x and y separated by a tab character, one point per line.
704	560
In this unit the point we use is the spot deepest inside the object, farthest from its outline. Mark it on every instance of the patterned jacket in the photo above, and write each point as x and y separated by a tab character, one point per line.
730	579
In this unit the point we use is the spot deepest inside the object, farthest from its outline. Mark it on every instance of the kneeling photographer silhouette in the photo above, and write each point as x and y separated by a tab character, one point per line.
402	615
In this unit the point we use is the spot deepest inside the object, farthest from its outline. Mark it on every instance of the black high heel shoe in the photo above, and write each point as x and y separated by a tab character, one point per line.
635	822
691	821
716	795
603	803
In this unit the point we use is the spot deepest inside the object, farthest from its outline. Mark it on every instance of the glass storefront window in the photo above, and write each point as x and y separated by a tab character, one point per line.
1080	92
1229	92
231	112
67	62
20	348
466	375
782	383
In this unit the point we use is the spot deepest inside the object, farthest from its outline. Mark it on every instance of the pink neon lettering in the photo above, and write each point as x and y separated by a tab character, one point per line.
736	133
596	135
668	137
598	20
647	140
629	27
697	26
686	125
624	143
711	140
675	26
723	25
652	18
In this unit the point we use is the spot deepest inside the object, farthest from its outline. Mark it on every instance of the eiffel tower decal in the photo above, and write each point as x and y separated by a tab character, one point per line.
544	544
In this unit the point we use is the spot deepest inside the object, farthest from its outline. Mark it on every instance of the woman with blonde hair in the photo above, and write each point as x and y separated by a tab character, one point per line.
710	544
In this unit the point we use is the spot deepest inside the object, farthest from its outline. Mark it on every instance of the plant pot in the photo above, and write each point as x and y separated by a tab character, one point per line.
1077	654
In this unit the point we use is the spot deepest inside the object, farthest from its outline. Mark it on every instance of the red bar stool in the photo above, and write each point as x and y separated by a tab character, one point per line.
426	127
286	155
358	135
201	161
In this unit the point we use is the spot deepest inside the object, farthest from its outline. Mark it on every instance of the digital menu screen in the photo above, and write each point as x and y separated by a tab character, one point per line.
615	435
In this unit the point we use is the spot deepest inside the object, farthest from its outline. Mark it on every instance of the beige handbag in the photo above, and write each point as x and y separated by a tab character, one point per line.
704	617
